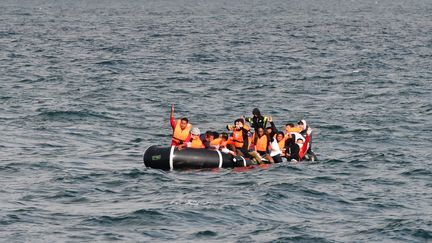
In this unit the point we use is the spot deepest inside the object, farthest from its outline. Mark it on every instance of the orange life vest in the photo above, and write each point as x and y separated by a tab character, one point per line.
281	144
261	143
197	143
238	138
223	144
230	141
179	134
294	129
216	141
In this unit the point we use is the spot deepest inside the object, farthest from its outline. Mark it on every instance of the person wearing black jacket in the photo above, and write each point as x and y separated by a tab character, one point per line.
257	120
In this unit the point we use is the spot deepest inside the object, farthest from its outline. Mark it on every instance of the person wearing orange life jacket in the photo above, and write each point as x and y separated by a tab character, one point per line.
290	128
239	140
181	129
221	144
261	142
195	141
223	140
208	137
240	137
289	139
215	141
280	138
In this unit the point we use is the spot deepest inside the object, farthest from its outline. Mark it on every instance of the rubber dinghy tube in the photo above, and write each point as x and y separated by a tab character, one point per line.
170	158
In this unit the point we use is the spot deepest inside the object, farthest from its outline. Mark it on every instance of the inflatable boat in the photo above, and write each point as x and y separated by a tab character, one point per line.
171	158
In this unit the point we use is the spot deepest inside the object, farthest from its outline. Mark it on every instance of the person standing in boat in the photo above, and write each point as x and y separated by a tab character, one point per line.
257	120
181	129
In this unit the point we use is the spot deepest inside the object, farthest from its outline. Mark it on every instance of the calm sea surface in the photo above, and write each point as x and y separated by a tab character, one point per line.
86	86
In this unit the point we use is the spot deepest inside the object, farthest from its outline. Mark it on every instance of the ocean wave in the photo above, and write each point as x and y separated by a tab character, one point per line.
86	88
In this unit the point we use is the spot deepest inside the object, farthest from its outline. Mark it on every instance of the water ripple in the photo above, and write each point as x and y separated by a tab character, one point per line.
86	86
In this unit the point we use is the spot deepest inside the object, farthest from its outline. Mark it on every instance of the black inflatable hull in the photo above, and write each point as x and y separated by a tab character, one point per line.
170	158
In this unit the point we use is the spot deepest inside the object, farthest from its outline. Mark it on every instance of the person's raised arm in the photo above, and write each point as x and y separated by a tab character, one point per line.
274	129
246	119
172	119
245	129
305	144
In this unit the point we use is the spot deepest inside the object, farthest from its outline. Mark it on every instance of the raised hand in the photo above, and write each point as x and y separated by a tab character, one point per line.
172	109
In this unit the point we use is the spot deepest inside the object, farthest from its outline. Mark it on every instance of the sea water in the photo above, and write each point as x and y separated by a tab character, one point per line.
87	86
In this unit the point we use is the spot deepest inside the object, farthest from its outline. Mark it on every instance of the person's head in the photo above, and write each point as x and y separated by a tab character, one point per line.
260	131
269	130
300	142
224	136
195	132
215	135
301	125
183	123
289	125
279	136
256	112
239	123
209	136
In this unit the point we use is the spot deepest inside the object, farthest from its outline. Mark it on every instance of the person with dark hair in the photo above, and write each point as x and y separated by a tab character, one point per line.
297	146
280	139
257	120
240	137
290	127
303	127
207	138
222	144
275	151
272	130
181	129
216	141
261	143
239	141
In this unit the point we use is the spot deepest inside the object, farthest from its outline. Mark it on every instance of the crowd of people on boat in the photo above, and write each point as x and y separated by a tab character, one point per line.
255	137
